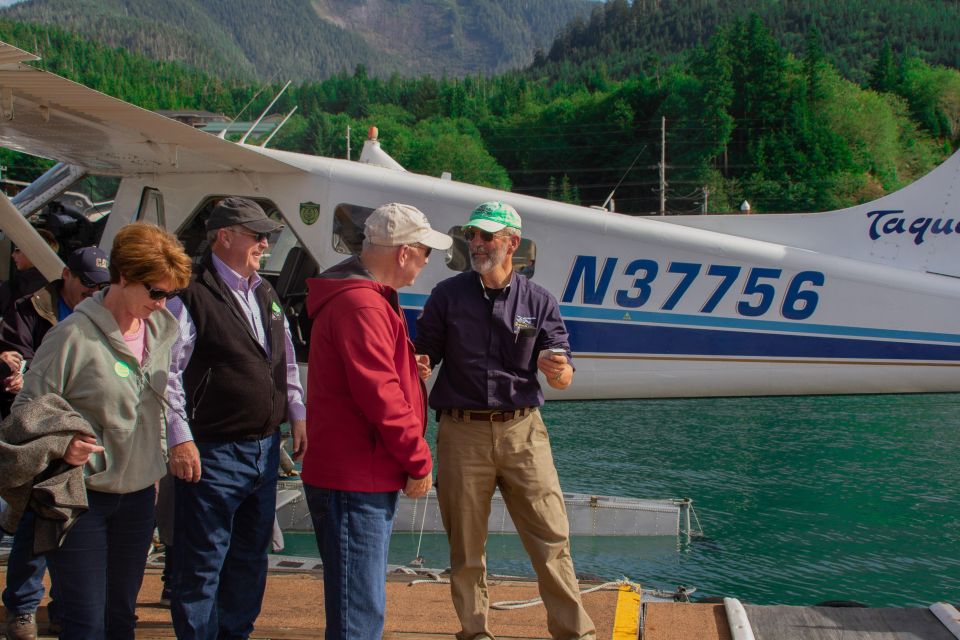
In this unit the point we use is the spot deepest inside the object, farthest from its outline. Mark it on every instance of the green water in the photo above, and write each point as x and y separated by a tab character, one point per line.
801	499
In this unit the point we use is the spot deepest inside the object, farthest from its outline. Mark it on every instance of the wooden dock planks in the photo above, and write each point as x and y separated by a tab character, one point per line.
293	610
684	621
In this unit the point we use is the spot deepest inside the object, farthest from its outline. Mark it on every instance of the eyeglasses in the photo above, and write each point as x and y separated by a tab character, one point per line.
469	234
161	294
426	250
260	237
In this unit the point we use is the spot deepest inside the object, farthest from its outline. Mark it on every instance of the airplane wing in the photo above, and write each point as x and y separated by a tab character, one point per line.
45	115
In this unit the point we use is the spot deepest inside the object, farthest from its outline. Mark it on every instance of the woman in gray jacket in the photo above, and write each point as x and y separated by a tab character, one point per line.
109	361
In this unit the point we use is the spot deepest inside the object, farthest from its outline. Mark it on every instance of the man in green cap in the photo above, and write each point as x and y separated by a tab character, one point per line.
494	329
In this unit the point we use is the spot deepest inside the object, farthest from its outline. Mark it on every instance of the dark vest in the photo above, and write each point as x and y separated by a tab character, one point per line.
234	391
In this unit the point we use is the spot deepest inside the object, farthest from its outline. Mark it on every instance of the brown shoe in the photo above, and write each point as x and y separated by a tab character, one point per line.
22	626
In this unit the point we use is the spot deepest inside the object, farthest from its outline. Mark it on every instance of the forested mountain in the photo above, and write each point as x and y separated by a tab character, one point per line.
312	40
745	118
624	38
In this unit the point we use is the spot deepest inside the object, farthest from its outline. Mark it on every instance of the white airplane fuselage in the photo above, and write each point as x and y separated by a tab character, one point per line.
658	307
862	300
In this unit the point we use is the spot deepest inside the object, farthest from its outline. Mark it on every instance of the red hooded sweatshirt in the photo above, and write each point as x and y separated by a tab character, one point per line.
366	405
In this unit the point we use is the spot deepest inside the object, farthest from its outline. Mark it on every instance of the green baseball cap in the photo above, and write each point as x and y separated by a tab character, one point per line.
493	216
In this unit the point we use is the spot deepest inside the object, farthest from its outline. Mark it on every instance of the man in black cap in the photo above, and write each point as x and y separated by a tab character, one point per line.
233	382
24	326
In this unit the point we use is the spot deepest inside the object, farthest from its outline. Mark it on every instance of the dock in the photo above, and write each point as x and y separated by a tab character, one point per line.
293	610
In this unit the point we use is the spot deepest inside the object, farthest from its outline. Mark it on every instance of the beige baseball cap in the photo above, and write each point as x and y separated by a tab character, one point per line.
394	224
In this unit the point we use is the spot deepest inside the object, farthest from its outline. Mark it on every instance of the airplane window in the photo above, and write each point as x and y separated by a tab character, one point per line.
151	208
193	234
458	258
348	222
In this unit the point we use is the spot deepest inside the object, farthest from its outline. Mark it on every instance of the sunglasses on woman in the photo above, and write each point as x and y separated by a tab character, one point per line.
469	234
161	294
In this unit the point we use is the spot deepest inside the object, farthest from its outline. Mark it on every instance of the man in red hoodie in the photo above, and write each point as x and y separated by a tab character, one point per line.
367	406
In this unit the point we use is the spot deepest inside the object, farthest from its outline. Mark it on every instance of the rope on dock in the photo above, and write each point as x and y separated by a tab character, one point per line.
606	586
682	594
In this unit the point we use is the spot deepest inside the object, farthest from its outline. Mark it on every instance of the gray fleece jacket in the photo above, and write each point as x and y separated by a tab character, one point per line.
85	360
32	471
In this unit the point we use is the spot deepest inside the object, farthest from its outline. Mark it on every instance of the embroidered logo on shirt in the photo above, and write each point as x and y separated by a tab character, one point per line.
275	309
122	369
521	322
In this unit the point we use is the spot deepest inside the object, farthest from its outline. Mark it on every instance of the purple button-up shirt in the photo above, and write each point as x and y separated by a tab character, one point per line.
244	290
489	349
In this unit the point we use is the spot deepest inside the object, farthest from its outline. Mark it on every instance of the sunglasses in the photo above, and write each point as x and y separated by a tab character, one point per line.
260	237
90	284
469	234
426	250
161	294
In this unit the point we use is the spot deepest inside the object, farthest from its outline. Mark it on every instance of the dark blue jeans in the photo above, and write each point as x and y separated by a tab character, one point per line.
25	570
99	567
353	535
222	530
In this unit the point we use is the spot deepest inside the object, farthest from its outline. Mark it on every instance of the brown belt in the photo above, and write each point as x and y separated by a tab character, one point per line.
488	416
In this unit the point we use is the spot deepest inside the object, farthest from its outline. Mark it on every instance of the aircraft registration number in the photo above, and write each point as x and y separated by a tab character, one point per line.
756	297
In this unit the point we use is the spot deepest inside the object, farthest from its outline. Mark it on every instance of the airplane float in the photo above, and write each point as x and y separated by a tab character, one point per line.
861	300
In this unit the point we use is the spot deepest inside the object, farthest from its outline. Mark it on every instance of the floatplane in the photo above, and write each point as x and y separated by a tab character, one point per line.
861	300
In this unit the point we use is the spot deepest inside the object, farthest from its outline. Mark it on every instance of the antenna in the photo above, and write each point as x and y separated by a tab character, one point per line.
663	165
278	127
265	112
223	133
622	178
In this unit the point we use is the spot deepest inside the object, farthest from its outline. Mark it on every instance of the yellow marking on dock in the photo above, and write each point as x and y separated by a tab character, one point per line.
626	620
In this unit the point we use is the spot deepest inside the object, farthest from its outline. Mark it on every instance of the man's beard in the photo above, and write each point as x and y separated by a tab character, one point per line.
493	258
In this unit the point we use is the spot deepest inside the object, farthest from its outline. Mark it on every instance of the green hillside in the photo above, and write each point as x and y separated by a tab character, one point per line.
644	36
745	120
312	40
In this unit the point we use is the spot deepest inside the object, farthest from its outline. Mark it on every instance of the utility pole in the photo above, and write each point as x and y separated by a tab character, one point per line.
706	199
663	165
348	142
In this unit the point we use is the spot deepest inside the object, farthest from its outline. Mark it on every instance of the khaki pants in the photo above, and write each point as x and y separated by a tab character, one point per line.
473	458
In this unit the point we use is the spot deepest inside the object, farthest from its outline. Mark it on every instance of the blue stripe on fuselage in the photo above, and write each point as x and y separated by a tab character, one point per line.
637	333
609	337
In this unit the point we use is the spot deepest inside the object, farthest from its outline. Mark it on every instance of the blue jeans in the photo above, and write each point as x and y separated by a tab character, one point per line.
25	570
99	567
222	530
353	535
